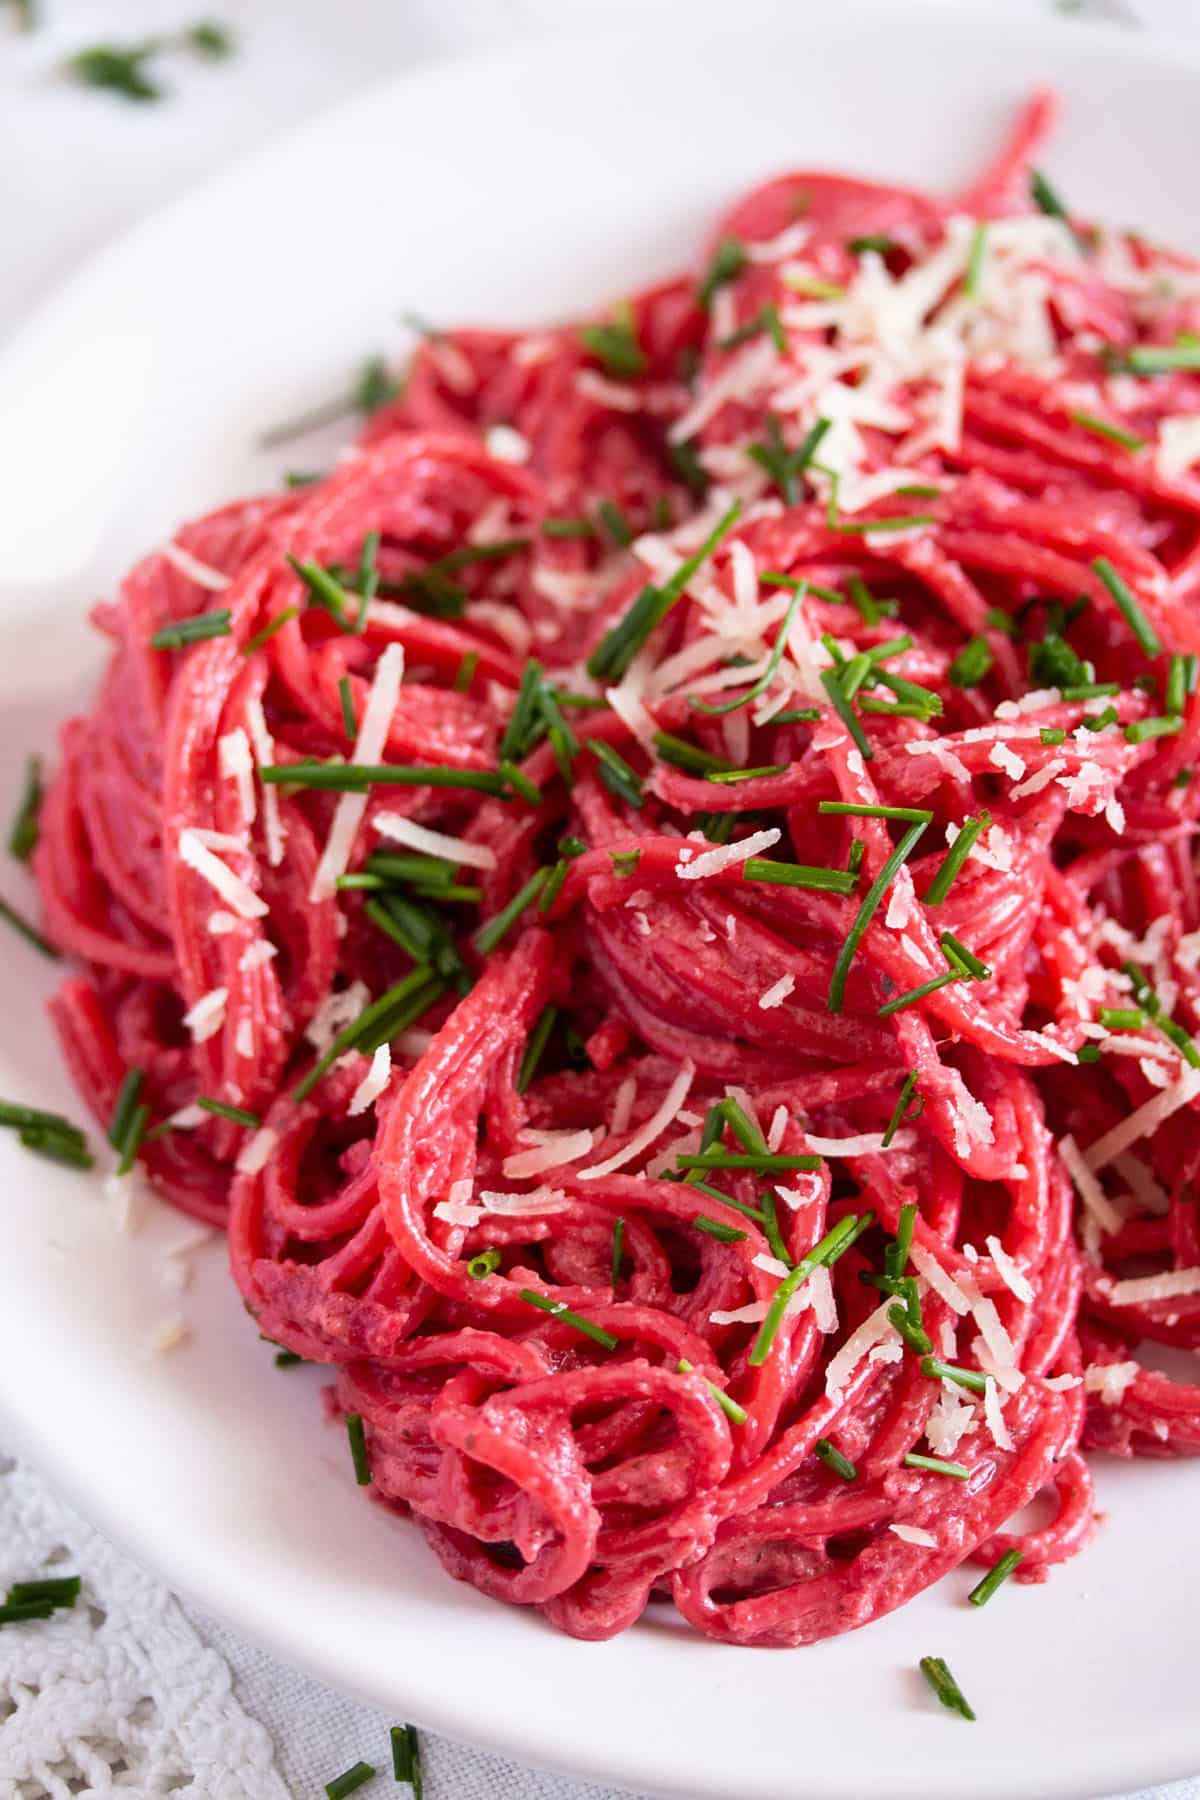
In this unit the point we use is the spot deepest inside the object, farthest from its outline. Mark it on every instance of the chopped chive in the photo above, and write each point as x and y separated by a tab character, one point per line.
770	1220
683	755
729	776
936	1466
895	1257
406	1757
660	514
1162	359
1183	779
913	1333
875	893
795	715
17	1117
901	1116
729	259
695	1185
769	673
287	1359
23	1612
128	1095
848	809
237	1115
23	835
418	987
833	1459
1090	690
801	875
1132	613
1122	1018
135	1132
959	956
554	885
615	345
358	1448
914	490
996	619
1088	1053
1181	681
943	1371
782	465
356	777
349	722
999	1572
616	774
624	862
301	478
724	1234
524	723
56	1590
615	523
193	630
870	609
565	1316
465	673
29	932
812	287
684	460
57	1146
822	1254
1149	1000
618	1248
902	1001
432	870
620	644
845	712
521	784
535	1047
736	1159
955	857
349	1780
1052	734
1047	201
902	522
765	320
498	927
485	1264
268	631
731	1112
909	693
971	664
856	858
367	582
568	528
1104	428
324	588
976	260
942	1681
729	1407
571	847
1142	730
873	240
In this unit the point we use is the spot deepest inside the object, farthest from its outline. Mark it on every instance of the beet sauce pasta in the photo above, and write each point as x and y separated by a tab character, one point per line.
657	904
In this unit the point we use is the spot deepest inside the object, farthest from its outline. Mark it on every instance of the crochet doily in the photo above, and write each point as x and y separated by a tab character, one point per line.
117	1695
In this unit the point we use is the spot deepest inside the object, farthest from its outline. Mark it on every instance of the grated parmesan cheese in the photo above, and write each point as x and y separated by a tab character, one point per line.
206	1017
195	850
373	1082
556	1148
915	1534
256	1154
726	856
776	995
369	746
434	843
666	1113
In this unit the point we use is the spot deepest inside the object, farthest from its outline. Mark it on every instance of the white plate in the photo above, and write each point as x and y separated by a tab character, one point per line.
513	189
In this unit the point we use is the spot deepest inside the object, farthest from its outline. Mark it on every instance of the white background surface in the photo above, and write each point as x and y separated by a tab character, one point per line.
76	168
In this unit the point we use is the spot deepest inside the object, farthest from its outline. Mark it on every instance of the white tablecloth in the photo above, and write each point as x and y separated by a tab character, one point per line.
137	1679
